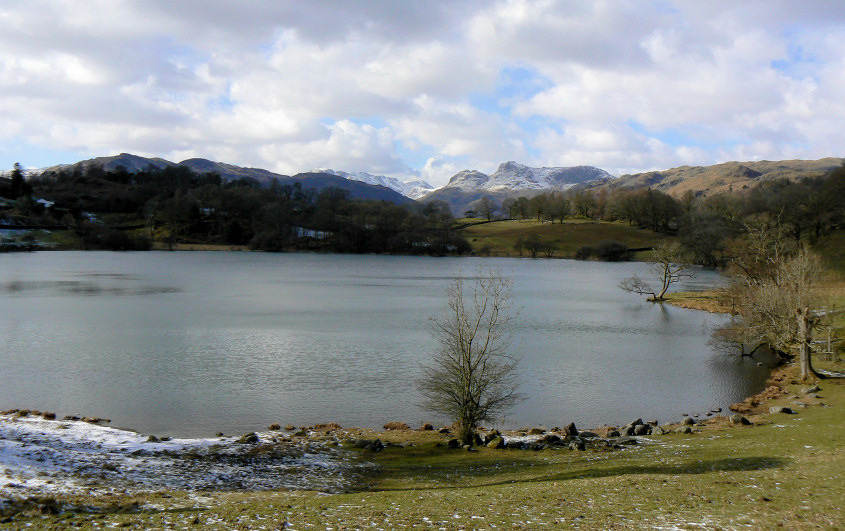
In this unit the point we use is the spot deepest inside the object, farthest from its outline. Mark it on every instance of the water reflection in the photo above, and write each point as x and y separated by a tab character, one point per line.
81	287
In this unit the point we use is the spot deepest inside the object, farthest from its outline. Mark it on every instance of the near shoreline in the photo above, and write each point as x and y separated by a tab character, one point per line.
785	469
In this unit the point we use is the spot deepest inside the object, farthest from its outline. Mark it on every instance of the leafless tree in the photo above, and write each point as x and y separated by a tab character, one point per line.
774	281
767	308
471	377
485	207
669	267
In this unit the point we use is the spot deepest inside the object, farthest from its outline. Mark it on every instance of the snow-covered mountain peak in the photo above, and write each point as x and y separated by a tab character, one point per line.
468	180
512	176
413	189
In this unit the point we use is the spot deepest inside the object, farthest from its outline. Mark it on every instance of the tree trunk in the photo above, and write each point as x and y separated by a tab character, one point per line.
466	433
805	337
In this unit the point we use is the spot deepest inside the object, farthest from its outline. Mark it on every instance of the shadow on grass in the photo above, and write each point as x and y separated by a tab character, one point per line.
488	478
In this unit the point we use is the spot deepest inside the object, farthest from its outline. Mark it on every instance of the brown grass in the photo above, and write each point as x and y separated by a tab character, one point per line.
713	301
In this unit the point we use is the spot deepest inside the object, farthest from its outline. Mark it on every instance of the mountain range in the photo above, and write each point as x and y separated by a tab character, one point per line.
317	180
509	180
512	179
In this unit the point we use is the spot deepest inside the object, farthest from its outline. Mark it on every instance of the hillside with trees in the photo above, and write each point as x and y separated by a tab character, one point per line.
95	208
808	210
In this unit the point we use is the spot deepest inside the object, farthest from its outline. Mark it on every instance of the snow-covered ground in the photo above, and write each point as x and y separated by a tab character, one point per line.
39	456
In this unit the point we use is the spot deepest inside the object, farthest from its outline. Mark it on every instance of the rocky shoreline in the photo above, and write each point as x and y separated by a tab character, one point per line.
42	455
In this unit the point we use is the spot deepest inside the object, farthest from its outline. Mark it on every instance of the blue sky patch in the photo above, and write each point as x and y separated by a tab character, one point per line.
32	156
515	84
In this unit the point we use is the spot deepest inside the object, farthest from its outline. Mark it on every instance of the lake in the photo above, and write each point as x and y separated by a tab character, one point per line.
192	343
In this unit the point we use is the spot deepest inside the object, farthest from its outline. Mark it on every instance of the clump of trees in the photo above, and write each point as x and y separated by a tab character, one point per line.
471	377
15	186
774	290
176	204
606	250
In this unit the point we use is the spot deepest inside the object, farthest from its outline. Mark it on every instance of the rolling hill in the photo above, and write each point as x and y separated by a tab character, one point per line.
721	178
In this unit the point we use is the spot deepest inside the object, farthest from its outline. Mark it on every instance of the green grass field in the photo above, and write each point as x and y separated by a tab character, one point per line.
499	237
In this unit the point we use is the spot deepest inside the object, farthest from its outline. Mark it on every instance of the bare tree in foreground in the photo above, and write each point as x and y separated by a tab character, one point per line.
668	268
472	377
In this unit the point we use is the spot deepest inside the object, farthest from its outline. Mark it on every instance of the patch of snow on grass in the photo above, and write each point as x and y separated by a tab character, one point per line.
40	456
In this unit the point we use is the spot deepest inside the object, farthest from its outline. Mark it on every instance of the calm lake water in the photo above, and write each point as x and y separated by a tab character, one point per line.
192	343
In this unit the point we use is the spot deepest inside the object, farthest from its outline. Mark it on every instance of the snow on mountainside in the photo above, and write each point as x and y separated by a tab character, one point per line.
512	176
412	189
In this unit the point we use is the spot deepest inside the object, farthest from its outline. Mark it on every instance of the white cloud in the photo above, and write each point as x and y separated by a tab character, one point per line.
351	147
415	88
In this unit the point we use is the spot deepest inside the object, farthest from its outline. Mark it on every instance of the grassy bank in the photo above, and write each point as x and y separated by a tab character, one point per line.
784	471
499	238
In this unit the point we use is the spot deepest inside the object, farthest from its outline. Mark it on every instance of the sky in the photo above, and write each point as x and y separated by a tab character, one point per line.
422	89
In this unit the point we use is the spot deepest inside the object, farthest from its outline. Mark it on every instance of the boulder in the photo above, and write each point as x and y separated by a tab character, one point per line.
453	443
571	430
152	439
625	441
368	444
444	430
738	420
642	429
496	443
688	421
427	427
613	433
578	444
636	422
48	416
551	439
588	435
477	440
275	427
536	431
814	389
376	445
491	436
598	443
657	430
249	438
627	431
684	429
781	409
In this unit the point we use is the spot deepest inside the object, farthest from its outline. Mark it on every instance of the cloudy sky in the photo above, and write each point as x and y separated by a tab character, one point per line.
422	88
